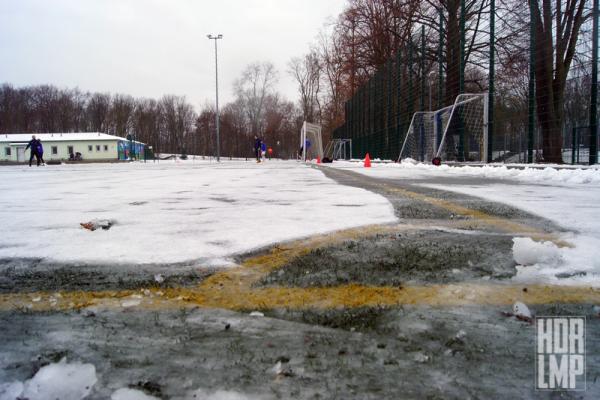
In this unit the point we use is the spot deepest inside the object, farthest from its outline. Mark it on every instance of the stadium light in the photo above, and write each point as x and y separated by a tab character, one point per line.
215	38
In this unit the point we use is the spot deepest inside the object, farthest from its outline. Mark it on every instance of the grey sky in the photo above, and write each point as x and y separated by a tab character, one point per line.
148	48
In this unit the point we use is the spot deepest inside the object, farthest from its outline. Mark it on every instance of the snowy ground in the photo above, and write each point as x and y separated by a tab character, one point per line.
569	197
194	211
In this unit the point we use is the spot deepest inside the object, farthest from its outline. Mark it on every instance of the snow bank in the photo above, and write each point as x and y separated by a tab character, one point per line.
409	168
62	380
197	212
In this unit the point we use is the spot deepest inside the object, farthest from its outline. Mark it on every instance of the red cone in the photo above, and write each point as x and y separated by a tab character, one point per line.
367	161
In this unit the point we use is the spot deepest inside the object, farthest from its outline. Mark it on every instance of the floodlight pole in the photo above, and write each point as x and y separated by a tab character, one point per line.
215	38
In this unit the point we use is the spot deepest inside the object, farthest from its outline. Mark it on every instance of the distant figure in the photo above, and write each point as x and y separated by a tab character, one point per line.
34	144
263	149
257	148
40	151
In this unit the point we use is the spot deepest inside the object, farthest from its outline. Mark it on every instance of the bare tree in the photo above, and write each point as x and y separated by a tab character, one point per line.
558	23
307	73
257	81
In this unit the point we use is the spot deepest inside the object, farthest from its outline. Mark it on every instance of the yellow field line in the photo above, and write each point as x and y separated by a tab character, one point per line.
500	223
233	288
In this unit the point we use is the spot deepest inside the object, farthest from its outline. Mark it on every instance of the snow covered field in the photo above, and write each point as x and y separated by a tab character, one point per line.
193	211
568	197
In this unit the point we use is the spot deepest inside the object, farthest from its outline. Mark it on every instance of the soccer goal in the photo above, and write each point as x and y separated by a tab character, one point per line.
338	149
453	133
311	142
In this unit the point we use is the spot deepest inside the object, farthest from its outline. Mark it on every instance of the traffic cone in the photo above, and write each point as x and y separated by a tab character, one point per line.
367	161
318	160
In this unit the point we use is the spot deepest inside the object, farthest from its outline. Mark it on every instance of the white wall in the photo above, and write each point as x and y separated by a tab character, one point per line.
62	150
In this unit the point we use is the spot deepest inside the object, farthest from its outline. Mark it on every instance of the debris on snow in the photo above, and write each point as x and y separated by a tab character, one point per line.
92	225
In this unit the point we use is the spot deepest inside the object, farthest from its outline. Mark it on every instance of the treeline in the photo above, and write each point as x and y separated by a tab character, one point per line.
169	124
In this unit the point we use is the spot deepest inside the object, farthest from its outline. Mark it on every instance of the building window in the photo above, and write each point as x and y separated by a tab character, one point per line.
54	149
70	149
97	147
90	148
105	147
7	151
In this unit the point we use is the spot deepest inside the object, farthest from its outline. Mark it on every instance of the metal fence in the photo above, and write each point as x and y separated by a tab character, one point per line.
379	113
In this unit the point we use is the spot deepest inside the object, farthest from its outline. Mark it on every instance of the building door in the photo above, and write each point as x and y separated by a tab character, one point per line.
21	154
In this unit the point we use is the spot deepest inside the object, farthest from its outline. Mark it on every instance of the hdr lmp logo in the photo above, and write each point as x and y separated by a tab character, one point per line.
560	353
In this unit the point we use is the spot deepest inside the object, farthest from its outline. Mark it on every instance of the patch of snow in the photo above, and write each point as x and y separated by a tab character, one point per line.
199	212
256	314
130	303
409	168
62	380
529	252
11	391
131	394
202	394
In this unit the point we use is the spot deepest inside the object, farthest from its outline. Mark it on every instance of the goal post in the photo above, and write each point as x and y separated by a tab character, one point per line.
454	133
311	142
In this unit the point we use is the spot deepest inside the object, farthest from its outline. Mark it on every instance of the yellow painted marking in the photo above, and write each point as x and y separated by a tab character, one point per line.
233	288
500	223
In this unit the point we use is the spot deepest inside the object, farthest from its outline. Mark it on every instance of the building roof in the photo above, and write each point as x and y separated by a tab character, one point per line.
56	137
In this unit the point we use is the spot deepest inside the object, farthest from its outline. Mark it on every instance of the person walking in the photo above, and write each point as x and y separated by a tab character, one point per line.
257	148
40	151
33	144
263	150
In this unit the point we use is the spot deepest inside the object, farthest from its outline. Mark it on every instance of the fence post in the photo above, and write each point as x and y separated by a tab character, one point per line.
531	95
461	84
440	56
573	144
593	159
491	91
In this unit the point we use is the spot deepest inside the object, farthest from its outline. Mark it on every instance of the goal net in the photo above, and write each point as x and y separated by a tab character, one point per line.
454	133
338	149
311	143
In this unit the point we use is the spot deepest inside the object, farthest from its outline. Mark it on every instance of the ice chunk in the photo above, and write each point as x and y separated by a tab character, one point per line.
62	380
529	252
521	310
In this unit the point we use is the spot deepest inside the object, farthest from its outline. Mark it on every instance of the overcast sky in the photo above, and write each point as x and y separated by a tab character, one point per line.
148	48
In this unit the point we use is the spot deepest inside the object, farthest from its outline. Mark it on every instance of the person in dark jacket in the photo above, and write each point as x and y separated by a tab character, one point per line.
40	151
257	148
34	144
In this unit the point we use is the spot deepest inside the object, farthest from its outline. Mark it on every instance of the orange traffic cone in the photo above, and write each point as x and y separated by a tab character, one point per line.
367	161
318	160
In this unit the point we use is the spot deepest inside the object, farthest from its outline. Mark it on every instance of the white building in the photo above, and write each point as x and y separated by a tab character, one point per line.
93	146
